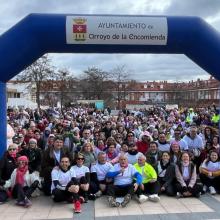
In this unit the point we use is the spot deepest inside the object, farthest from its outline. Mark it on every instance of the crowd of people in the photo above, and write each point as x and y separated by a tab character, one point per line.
80	153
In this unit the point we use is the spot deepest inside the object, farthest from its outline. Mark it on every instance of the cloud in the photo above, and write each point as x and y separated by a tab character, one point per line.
142	67
201	8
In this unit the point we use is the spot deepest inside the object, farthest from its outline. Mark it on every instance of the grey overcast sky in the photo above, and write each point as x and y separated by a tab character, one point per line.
143	67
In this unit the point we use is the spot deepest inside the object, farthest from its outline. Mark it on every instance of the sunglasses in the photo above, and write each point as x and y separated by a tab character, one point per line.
12	149
79	158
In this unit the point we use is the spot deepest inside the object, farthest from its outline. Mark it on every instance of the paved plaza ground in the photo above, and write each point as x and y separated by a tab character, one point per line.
207	207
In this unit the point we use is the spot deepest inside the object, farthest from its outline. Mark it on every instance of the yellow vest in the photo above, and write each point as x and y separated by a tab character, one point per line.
215	118
147	171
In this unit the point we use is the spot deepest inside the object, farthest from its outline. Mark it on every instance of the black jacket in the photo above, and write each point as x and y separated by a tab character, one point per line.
34	157
49	161
7	165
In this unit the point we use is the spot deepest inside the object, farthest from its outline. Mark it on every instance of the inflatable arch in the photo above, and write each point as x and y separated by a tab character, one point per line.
38	34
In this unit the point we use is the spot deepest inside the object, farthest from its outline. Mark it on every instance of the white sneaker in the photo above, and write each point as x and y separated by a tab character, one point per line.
212	190
98	194
142	198
154	198
205	188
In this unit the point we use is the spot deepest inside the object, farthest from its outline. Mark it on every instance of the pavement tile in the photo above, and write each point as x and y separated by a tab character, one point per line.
60	214
153	210
199	208
190	201
217	197
12	216
129	210
110	211
101	203
35	215
61	210
4	207
176	209
150	204
15	209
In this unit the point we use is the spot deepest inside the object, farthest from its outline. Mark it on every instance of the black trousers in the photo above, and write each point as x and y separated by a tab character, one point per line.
149	188
195	190
46	187
80	181
94	186
215	182
120	191
64	195
3	195
21	192
170	190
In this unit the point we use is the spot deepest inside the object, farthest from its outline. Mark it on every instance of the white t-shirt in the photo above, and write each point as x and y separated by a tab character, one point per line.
163	147
193	143
132	159
101	170
211	166
80	171
63	177
125	178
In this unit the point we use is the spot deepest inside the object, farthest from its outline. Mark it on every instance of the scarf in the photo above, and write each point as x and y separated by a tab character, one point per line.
21	171
164	166
111	156
13	154
185	164
101	147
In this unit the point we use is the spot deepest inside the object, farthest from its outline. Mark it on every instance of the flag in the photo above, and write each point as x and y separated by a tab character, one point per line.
79	28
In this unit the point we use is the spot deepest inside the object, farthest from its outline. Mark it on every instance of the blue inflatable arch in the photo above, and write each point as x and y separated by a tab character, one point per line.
38	34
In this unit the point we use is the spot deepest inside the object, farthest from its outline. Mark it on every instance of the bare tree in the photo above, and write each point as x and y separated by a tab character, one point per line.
95	83
65	85
36	74
121	77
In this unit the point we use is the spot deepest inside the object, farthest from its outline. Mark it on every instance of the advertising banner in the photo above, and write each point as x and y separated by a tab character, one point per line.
121	30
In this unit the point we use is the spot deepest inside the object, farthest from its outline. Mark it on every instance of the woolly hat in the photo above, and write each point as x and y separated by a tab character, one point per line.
146	133
32	140
22	158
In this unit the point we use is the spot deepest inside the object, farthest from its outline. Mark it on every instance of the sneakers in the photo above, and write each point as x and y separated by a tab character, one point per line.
92	196
212	190
112	202
77	207
27	202
205	188
154	198
179	195
98	194
127	199
20	203
142	198
198	195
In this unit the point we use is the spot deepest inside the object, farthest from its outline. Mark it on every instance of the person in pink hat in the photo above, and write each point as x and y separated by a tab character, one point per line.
22	183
